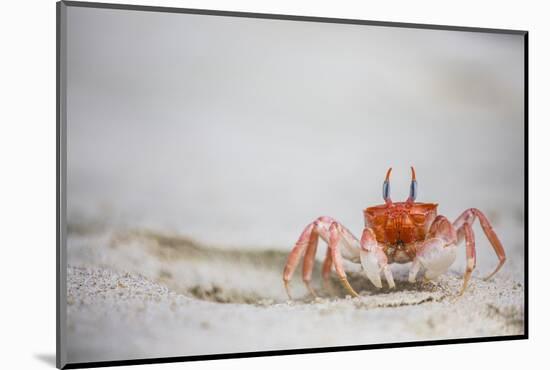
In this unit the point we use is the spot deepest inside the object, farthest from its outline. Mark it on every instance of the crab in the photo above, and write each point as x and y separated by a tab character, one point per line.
397	232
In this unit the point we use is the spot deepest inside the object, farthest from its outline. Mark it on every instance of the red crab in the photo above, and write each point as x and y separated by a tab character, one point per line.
398	232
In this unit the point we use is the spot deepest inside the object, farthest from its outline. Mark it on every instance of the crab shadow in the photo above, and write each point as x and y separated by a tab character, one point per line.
364	287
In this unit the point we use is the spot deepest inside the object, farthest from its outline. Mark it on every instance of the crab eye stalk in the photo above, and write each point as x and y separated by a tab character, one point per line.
386	188
414	188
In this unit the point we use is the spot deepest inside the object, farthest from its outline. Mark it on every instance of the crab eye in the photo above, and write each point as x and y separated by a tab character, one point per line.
386	188
414	190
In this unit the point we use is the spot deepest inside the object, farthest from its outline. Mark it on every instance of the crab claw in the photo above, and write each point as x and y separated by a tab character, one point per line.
372	262
436	257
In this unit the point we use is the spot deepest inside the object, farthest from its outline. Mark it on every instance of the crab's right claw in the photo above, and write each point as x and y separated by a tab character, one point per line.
373	258
370	260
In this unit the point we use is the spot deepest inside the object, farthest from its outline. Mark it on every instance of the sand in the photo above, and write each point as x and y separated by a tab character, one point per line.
140	294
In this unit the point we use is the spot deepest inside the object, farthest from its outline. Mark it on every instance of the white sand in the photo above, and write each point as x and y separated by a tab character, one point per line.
137	294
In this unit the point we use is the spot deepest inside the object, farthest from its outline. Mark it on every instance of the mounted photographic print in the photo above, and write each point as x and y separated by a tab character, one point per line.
237	184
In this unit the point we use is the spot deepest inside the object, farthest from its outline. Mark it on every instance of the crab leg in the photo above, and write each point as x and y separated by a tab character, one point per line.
309	259
334	246
307	246
296	254
468	233
337	236
327	265
468	217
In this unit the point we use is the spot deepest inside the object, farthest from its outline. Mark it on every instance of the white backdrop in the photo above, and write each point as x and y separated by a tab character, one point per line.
28	163
240	131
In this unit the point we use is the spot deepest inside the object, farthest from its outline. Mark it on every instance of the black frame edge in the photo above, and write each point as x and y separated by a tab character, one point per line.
226	13
223	356
61	267
526	181
58	363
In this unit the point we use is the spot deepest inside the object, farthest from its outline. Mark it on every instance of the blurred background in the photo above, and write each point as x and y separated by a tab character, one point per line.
238	132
